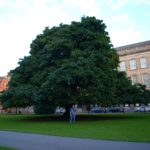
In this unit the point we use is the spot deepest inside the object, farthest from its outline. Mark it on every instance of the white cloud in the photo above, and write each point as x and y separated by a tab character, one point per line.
122	37
118	4
22	20
123	31
119	18
141	2
2	3
85	6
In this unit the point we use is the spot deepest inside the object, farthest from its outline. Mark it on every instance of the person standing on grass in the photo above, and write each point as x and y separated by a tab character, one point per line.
73	113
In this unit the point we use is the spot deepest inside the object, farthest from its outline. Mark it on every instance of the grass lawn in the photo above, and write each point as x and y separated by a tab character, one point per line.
124	127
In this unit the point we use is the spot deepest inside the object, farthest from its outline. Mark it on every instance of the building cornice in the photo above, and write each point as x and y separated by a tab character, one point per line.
133	48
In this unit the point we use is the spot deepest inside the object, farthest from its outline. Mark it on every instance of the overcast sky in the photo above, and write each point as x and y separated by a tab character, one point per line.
127	21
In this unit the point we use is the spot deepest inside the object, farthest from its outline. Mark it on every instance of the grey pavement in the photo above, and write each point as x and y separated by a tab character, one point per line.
25	141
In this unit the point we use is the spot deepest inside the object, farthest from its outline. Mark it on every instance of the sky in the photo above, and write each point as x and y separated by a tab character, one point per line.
127	21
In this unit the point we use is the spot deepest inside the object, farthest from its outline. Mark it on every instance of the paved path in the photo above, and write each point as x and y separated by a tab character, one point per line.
24	141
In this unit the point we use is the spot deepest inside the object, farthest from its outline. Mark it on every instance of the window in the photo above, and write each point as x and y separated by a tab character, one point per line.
132	64
146	79
144	63
135	79
123	66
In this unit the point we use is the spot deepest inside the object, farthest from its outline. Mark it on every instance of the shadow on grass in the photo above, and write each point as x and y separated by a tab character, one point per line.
81	117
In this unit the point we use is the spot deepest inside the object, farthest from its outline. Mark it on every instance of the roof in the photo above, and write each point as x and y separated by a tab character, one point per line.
133	45
133	48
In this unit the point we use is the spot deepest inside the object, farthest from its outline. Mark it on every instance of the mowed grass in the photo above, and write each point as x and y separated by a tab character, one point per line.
124	127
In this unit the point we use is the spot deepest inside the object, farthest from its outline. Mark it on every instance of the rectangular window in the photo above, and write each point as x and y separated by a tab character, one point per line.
123	66
132	64
144	63
135	79
146	80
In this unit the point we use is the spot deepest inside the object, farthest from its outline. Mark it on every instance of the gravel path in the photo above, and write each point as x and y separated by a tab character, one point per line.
24	141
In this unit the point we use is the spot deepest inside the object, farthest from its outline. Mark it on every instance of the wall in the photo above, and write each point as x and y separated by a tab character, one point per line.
136	52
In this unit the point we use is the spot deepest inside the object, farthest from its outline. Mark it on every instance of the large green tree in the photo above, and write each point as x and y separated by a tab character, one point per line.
67	64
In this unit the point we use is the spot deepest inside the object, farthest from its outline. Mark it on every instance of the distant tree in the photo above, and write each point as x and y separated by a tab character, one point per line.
128	93
141	94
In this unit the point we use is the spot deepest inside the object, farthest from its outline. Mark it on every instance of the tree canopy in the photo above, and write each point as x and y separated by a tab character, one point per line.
68	64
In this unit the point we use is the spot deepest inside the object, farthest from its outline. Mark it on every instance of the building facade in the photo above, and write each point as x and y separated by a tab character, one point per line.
3	86
3	83
135	61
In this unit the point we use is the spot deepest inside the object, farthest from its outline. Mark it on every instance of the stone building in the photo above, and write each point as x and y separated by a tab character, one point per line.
135	61
3	86
3	83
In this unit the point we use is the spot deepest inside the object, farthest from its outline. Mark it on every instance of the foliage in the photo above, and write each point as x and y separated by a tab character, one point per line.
67	64
128	93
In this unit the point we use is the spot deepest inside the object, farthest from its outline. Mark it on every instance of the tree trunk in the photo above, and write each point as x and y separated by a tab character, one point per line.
67	112
16	110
